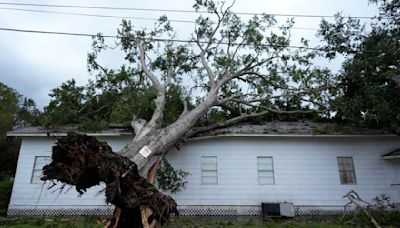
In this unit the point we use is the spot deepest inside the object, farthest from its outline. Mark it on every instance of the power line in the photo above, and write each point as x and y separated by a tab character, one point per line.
166	40
91	15
172	10
153	39
117	17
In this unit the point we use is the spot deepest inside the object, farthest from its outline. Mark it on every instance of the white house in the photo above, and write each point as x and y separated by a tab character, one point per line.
234	170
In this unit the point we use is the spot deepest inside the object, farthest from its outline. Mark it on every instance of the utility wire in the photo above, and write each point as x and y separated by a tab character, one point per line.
90	15
117	17
172	10
165	40
152	39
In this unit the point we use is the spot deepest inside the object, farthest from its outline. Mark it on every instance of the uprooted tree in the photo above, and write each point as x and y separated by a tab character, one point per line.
239	69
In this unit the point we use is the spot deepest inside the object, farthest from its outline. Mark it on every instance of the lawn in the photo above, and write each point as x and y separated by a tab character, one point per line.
174	223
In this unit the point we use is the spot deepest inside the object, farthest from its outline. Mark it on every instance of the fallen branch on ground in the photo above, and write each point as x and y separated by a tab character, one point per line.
355	198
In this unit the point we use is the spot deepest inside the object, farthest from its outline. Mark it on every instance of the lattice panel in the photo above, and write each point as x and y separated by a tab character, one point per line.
220	211
319	211
64	213
194	211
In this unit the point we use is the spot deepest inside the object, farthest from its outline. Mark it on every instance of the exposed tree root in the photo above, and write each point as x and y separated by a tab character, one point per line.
83	161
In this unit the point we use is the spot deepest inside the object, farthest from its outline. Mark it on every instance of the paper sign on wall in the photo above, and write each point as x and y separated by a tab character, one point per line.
145	151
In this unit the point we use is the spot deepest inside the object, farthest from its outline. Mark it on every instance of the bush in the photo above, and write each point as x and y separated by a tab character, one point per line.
5	194
381	210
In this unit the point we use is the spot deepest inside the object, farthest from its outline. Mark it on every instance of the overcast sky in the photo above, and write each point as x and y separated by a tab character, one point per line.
33	64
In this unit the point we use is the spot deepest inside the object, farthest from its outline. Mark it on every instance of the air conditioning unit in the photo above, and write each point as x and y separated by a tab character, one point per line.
282	209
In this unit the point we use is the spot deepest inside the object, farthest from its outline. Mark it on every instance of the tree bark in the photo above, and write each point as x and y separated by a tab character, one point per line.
83	161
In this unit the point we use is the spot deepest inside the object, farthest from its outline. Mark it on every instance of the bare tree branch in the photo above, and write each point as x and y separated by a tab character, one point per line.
185	107
355	198
294	94
249	103
210	74
169	73
225	123
248	69
160	101
154	80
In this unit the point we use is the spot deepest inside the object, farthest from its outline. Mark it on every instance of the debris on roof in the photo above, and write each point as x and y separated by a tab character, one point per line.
294	128
63	130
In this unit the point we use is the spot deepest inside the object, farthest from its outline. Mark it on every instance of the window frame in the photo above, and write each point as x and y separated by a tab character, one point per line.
264	170
35	169
353	170
203	171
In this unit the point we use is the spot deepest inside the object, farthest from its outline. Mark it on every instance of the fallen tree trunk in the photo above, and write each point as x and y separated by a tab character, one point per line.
83	161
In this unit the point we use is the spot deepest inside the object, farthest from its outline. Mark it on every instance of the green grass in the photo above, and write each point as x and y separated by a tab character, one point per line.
50	223
174	223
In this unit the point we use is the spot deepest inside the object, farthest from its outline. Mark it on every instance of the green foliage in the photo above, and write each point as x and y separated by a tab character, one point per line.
9	99
88	125
112	98
381	210
5	194
9	148
65	106
370	95
170	179
15	110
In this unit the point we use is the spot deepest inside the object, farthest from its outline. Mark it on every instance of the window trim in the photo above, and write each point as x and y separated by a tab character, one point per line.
208	170
272	170
36	169
347	170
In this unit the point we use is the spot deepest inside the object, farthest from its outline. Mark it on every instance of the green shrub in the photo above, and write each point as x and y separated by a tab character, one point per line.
382	210
5	194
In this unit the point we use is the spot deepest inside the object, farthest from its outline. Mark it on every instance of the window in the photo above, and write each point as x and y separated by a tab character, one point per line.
346	170
209	174
40	161
265	170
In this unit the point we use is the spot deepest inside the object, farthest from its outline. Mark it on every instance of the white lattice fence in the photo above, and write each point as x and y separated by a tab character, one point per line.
184	211
64	213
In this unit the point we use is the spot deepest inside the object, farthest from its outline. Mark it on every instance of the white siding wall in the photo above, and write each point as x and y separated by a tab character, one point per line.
305	171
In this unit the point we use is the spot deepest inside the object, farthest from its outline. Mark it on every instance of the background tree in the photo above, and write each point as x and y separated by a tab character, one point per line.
9	100
15	111
371	72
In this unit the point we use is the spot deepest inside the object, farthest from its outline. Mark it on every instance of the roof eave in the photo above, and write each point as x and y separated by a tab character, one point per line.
391	157
64	134
213	136
294	135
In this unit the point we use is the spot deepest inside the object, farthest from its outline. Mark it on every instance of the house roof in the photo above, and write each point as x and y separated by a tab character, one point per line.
275	128
63	130
295	128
